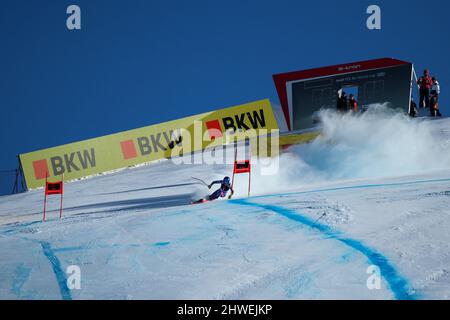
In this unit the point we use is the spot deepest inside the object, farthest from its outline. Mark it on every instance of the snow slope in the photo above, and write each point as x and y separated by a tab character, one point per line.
374	190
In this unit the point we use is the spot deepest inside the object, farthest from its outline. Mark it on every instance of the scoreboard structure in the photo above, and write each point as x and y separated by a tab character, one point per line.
303	93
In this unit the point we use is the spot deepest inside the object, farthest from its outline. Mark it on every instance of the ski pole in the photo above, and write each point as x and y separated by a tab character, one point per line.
200	181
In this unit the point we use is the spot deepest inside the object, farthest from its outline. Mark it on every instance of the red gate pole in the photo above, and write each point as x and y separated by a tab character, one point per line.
60	207
45	194
45	202
249	166
62	192
249	181
234	163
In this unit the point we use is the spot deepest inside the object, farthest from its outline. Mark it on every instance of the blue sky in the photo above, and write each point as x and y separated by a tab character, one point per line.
140	62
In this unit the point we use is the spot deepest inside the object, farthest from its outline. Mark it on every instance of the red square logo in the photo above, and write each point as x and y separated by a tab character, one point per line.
214	129
40	169
128	149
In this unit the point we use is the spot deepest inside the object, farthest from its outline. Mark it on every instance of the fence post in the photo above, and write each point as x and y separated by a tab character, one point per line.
14	190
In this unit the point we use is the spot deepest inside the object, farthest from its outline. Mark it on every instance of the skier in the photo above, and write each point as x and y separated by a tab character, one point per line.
425	82
225	185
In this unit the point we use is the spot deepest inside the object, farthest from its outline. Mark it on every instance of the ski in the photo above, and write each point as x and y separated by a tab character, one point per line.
199	201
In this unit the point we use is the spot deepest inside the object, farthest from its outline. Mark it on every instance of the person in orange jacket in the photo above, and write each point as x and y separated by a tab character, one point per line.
425	82
352	103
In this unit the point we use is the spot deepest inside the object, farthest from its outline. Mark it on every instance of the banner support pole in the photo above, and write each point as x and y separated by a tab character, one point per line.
14	190
22	176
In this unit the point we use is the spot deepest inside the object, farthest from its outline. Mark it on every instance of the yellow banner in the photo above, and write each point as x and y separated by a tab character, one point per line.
164	140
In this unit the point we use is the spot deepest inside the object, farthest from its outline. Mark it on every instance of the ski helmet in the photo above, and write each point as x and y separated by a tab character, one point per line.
226	180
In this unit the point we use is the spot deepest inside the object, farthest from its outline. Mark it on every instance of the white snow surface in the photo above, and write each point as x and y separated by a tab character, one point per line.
377	184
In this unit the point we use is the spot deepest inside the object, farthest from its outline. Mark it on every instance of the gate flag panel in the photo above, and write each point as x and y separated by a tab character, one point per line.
53	188
244	165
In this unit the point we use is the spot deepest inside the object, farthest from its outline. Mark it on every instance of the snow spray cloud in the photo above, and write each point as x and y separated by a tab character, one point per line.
221	149
380	142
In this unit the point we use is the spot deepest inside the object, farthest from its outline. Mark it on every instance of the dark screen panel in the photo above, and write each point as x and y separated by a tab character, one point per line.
390	85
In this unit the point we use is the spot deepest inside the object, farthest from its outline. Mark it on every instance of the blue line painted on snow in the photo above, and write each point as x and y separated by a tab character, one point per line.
21	275
398	285
67	249
363	186
161	244
57	270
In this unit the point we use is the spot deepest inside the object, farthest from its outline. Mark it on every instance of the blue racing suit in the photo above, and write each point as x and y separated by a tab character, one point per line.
221	192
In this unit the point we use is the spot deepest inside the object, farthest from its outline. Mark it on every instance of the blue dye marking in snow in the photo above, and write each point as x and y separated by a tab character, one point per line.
397	284
57	270
161	244
300	283
66	249
101	246
21	275
16	227
347	257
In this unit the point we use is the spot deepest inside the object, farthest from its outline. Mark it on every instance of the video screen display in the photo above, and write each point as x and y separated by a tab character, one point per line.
390	85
